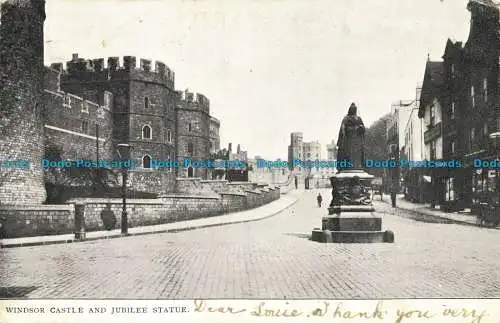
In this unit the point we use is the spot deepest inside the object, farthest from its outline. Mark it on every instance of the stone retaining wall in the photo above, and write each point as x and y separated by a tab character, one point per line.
22	221
33	220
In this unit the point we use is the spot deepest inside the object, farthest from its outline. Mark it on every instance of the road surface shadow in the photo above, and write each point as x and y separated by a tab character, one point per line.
16	291
300	235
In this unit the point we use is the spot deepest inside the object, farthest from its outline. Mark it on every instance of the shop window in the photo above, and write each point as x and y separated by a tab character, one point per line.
450	189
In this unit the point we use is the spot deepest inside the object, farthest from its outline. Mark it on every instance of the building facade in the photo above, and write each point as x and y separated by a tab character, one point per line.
331	150
413	151
193	133
461	111
296	148
312	152
85	107
214	135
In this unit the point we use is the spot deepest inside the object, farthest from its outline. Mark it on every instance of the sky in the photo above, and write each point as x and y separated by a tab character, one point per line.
270	67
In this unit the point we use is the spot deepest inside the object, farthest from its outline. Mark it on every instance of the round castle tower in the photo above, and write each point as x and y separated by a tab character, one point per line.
21	86
193	132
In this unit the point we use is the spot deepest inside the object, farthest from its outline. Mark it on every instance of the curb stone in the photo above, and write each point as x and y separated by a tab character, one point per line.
189	228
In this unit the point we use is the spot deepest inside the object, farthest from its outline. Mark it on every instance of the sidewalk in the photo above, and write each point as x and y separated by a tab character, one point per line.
260	213
460	217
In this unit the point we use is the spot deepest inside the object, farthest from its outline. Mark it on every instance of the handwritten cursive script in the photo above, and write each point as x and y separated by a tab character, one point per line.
201	306
262	310
341	311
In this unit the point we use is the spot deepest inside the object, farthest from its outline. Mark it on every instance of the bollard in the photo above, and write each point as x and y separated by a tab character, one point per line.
80	233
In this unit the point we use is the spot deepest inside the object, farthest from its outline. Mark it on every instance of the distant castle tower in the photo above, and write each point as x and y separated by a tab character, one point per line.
21	86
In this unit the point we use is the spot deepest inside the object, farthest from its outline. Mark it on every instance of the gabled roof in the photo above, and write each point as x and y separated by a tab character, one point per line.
452	46
433	80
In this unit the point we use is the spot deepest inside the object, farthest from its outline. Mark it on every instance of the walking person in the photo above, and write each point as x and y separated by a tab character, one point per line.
320	199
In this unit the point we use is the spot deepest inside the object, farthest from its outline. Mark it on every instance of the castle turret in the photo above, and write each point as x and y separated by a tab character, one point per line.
21	85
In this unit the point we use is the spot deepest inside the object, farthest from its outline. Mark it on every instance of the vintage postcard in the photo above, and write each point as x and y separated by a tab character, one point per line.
214	160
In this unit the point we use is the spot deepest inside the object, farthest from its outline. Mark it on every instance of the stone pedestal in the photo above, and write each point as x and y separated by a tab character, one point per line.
351	216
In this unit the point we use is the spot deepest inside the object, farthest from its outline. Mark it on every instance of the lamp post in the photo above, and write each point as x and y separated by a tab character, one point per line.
124	154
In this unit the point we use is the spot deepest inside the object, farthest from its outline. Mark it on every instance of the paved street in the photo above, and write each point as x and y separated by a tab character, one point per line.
272	258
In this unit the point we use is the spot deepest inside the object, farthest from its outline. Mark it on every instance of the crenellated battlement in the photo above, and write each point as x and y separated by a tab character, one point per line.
126	67
191	100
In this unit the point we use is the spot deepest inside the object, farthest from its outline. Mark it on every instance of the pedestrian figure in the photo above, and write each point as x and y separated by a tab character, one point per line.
320	199
393	199
296	183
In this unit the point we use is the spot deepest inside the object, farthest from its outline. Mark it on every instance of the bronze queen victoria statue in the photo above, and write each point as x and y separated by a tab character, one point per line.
351	215
351	139
356	188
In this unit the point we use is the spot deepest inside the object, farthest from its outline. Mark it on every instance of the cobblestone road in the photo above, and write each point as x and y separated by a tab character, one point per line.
272	258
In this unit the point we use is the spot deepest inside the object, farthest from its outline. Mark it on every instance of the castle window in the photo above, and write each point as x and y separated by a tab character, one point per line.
169	136
452	112
452	146
107	99
190	127
485	90
146	102
485	129
146	161
472	96
67	101
190	148
473	134
146	132
453	70
85	107
85	126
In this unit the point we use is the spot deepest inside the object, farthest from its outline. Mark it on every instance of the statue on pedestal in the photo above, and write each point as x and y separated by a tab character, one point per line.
355	189
351	216
351	140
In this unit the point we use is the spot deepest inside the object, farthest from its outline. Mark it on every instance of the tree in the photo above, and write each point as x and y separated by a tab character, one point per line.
375	143
59	179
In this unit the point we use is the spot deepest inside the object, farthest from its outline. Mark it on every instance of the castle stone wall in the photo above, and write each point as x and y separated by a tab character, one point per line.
57	219
21	126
